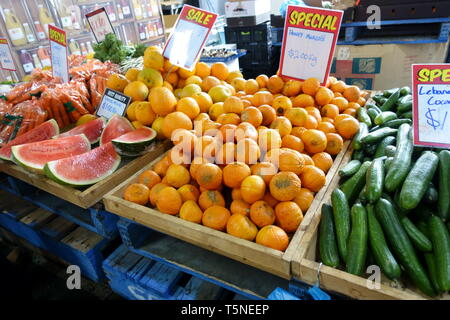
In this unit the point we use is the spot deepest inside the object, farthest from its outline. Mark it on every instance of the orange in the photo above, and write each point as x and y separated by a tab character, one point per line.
206	146
269	139
202	70
273	237
137	90
253	116
252	189
251	86
354	105
228	132
262	214
216	217
326	119
190	211
262	97
283	125
334	143
178	156
220	70
144	113
117	82
262	80
189	107
154	192
233	104
209	82
292	142
298	131
361	101
132	74
275	84
177	175
209	176
288	216
137	193
210	128
161	166
240	226
292	88
341	117
169	201
323	161
195	164
330	81
234	173
315	141
238	84
226	154
247	150
352	93
291	160
149	178
233	75
268	114
303	101
330	111
189	192
281	104
350	111
216	110
324	96
184	139
194	80
153	58
211	198
311	86
297	116
311	122
171	78
347	128
184	73
229	118
240	207
150	77
246	130
326	127
168	67
284	186
304	199
338	86
162	101
312	178
204	101
236	194
314	112
265	170
340	102
308	160
271	201
219	93
175	120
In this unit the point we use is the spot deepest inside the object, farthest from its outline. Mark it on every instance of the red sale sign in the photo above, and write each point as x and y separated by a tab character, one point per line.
431	105
310	36
100	24
190	33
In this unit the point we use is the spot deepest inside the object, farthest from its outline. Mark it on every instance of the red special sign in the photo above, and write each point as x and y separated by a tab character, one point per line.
309	40
431	105
201	17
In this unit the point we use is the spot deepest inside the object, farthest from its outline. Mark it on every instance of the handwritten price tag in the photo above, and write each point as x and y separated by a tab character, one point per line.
100	24
59	54
431	105
113	102
189	36
6	59
310	36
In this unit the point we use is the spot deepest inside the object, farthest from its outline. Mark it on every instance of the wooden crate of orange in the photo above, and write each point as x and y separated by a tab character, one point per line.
88	197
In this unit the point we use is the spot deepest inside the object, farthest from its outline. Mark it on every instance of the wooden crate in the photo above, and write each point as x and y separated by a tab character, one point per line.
305	266
88	197
264	258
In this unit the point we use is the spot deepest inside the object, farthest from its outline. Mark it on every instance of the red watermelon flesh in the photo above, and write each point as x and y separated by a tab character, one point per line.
92	130
84	169
116	127
34	156
42	132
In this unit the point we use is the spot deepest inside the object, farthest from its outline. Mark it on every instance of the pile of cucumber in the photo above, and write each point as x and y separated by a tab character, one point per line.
392	208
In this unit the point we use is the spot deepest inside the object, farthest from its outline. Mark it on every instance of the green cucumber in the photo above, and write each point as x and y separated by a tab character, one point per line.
370	149
372	113
362	132
418	180
374	128
389	151
375	180
385	117
398	170
381	148
388	162
358	155
350	168
378	135
363	117
430	261
419	240
357	241
390	92
444	185
341	214
431	195
352	187
440	238
362	196
405	91
406	115
390	103
405	106
402	246
379	99
327	238
395	123
383	255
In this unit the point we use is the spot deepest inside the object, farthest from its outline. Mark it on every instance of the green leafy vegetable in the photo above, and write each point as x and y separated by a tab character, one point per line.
114	50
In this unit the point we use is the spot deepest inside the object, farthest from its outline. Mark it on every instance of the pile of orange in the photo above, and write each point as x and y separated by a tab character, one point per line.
249	155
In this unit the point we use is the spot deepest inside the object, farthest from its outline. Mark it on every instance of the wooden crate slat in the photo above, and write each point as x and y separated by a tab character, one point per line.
38	217
82	239
58	227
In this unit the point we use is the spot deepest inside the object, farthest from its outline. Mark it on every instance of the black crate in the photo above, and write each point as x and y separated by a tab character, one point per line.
276	21
258	54
253	72
258	33
277	35
419	10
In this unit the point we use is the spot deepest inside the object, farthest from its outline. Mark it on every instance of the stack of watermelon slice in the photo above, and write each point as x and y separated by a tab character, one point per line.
68	159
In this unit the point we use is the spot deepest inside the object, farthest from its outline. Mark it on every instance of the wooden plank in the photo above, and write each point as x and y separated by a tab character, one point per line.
264	258
14	206
82	239
88	197
58	227
37	218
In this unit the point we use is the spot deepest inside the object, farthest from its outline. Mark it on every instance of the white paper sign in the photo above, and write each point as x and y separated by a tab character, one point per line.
113	102
59	53
100	24
6	59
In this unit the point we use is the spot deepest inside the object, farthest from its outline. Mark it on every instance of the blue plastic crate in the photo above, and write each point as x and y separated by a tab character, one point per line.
240	53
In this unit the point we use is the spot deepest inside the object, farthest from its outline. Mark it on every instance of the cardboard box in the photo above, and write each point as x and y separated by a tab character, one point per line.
385	66
246	8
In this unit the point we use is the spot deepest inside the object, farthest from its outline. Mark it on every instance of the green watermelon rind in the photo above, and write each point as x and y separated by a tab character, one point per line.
54	124
49	172
30	167
92	142
135	148
107	124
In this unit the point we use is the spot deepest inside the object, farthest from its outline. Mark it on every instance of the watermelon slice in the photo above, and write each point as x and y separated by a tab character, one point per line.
116	127
34	156
134	143
85	169
42	132
92	130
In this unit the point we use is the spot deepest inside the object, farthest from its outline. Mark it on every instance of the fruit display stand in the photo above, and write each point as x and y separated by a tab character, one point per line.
88	197
264	258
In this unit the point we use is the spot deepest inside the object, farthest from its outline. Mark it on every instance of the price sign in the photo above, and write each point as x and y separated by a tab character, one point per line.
189	36
431	105
100	24
113	102
310	36
6	59
59	54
